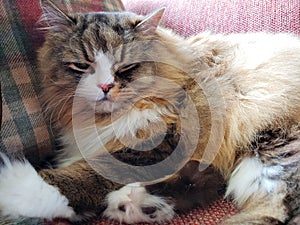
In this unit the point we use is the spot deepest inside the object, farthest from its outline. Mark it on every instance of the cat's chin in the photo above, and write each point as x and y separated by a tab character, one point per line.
106	106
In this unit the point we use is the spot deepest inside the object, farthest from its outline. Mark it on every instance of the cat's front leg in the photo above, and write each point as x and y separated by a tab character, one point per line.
23	193
84	188
132	204
75	192
189	188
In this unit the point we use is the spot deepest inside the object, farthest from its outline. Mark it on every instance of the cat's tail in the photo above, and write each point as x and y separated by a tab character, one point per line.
23	193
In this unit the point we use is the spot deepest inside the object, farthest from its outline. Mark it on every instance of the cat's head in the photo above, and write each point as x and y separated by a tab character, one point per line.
106	58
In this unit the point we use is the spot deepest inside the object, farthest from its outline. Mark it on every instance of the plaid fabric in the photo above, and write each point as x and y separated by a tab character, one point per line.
24	129
23	126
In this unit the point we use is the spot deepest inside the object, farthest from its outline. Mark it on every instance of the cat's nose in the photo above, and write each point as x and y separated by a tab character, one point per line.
105	87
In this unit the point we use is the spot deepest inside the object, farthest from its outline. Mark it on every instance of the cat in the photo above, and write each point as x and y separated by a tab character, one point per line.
119	80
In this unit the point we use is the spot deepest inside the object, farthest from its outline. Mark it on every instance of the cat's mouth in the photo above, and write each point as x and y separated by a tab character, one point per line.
105	98
105	105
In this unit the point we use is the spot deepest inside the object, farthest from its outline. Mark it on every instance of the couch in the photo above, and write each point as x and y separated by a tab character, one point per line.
25	130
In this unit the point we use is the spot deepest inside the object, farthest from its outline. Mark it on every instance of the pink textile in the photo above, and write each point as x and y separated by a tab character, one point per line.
215	214
189	17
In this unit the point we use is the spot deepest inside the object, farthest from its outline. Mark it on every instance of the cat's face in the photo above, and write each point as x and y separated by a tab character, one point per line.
104	58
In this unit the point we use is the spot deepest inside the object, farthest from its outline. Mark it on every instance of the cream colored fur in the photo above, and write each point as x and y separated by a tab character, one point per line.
258	75
259	79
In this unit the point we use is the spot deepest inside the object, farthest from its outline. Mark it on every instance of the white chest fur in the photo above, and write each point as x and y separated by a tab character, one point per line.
89	141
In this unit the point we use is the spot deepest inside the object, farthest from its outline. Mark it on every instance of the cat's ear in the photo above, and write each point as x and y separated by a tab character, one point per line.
149	24
53	18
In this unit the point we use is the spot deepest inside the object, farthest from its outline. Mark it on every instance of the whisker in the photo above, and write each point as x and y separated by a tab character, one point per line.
51	106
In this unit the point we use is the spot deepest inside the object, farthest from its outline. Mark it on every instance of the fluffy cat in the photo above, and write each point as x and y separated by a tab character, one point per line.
118	80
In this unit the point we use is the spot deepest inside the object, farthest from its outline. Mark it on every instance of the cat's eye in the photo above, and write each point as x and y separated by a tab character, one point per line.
80	67
126	70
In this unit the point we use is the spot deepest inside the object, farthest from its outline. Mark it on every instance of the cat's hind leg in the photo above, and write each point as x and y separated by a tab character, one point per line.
266	185
267	194
266	209
23	193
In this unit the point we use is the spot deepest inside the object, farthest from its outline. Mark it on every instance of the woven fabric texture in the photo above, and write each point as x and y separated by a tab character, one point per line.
23	126
213	215
190	17
24	130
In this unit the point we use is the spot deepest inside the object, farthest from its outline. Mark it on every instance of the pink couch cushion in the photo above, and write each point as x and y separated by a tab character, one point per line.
215	214
224	16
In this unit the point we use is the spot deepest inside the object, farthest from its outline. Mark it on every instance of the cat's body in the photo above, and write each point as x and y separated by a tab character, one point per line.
254	78
133	79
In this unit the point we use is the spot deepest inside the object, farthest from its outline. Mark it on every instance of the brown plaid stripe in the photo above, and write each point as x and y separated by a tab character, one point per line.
23	126
18	131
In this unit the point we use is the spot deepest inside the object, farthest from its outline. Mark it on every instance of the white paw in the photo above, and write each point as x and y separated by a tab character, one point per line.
24	193
132	204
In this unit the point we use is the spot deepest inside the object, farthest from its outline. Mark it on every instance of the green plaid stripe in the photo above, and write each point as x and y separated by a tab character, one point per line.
23	127
21	109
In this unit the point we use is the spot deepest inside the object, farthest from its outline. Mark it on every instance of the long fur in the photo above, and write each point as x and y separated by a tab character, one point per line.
239	84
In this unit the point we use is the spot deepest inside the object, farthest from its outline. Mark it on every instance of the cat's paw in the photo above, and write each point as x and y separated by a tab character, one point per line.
23	193
132	204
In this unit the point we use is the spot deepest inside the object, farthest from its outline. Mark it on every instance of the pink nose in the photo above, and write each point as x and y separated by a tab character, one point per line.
105	87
